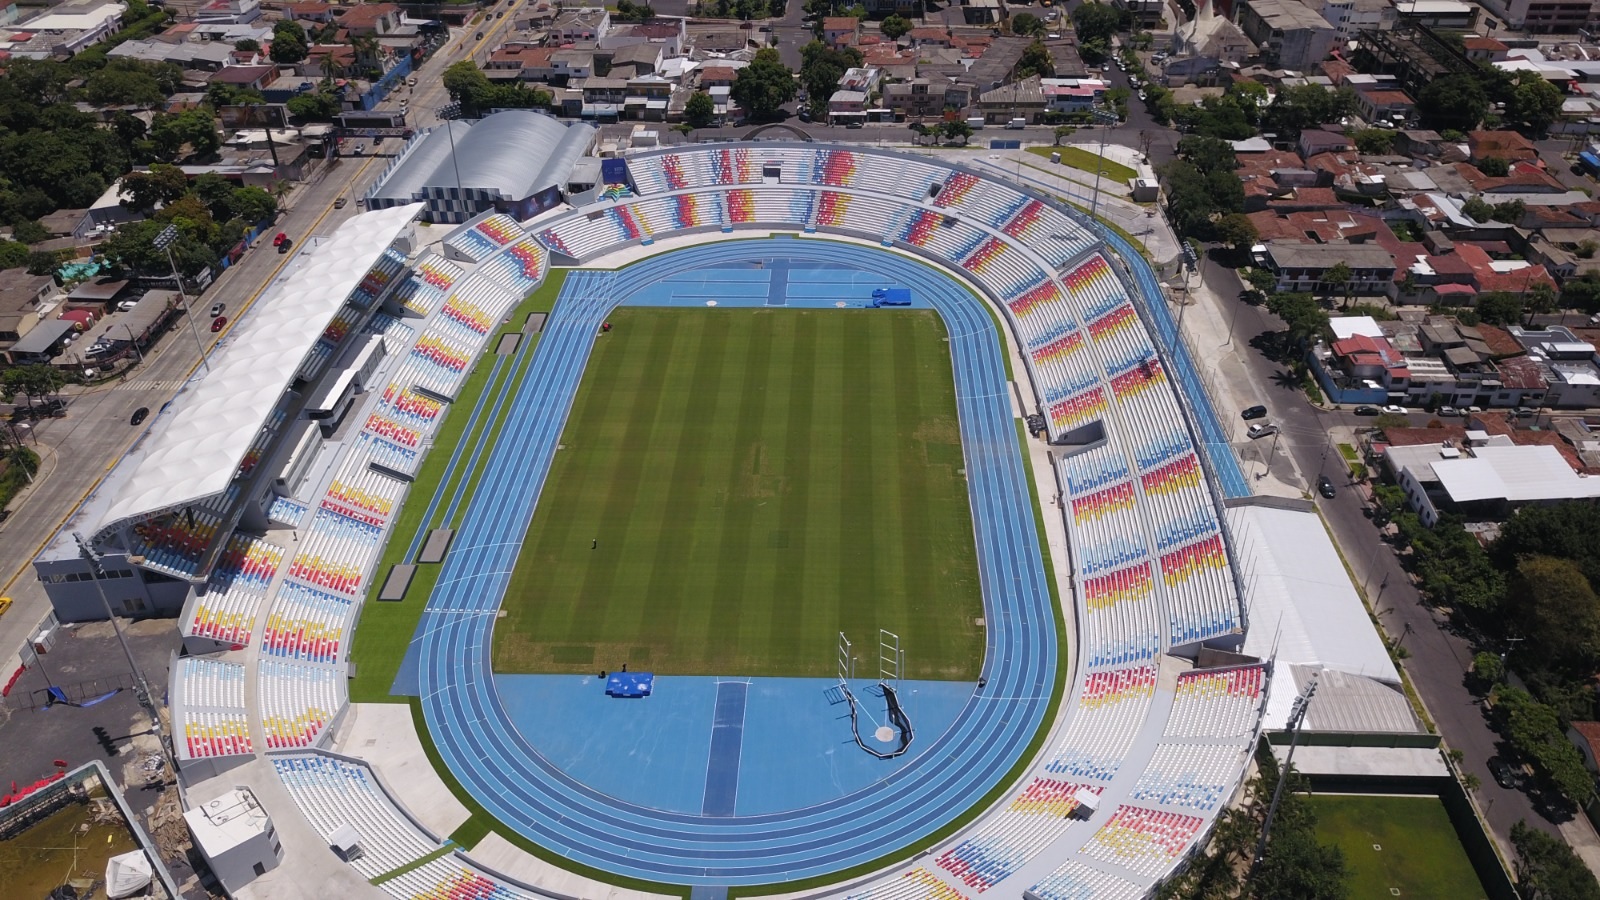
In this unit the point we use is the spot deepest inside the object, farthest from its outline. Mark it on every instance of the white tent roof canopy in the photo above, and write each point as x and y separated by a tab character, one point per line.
1302	604
196	450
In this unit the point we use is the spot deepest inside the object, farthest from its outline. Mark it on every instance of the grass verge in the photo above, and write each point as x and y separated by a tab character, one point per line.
1084	161
386	629
445	850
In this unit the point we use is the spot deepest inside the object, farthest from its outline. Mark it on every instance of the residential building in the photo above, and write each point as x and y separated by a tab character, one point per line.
1288	34
1487	479
1445	15
1018	100
1542	16
1072	94
369	19
918	98
1351	17
1507	145
1480	48
1302	267
585	24
838	31
254	78
1385	106
847	106
717	76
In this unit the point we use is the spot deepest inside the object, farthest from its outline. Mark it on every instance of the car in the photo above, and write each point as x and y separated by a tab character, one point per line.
278	241
412	81
1395	410
853	125
139	415
480	36
1325	486
218	309
1524	412
1368	411
1449	411
1504	773
126	305
360	149
339	203
5	604
377	140
218	324
1260	430
284	247
805	115
1254	412
1143	96
1473	410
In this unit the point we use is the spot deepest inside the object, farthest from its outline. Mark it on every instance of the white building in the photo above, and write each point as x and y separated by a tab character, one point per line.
1488	480
236	837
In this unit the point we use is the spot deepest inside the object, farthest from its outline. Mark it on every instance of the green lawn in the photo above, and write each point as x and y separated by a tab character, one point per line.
386	629
1397	842
757	481
1081	159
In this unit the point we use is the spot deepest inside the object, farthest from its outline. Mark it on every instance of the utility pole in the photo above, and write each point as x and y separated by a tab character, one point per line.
164	241
1105	118
141	688
1297	717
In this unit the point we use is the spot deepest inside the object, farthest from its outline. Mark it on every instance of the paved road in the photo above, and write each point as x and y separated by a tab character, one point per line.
1438	657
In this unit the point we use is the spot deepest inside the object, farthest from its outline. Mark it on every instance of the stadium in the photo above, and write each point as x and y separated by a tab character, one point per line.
773	518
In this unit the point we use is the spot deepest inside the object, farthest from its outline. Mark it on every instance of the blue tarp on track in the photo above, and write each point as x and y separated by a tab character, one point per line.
630	684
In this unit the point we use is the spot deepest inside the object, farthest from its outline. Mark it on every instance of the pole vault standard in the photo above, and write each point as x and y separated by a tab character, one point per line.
890	660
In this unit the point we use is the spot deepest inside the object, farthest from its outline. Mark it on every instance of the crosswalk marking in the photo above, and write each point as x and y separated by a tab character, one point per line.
151	384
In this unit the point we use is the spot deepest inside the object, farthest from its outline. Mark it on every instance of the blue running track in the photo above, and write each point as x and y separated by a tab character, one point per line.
483	749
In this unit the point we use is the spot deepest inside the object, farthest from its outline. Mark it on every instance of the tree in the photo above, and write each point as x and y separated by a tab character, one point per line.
1337	279
252	205
699	110
1027	25
1554	606
194	128
13	255
1499	307
1305	318
1565	530
895	27
762	87
1488	669
144	191
1208	154
634	12
289	44
1452	102
1095	23
821	67
1535	730
1036	60
317	106
1296	865
1478	209
1237	231
918	132
1533	102
120	86
957	129
1494	167
1063	131
1548	869
248	45
1374	141
1306	106
1539	300
38	382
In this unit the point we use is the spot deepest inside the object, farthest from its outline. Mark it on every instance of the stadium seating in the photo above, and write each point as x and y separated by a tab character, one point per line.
378	279
1217	703
332	792
209	717
1111	708
1076	881
297	701
1145	841
335	552
1010	839
285	511
227	611
307	624
1193	776
917	884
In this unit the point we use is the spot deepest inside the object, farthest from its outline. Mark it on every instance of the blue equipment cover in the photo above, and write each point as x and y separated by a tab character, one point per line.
630	684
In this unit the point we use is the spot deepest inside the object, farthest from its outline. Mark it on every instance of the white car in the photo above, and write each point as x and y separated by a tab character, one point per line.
1259	431
1397	410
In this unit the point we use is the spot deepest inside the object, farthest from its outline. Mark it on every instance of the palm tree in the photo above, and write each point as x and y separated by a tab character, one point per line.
329	67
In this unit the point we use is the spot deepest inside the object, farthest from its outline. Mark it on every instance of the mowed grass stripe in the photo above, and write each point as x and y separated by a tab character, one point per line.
758	480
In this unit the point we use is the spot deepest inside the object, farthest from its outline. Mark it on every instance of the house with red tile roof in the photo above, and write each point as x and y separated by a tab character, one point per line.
1507	145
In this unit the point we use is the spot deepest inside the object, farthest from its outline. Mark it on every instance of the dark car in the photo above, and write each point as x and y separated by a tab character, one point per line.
1325	486
480	36
1368	411
1254	412
139	414
1504	774
284	247
218	325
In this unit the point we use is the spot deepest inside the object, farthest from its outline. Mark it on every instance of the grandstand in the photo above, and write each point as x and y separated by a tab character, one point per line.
1158	744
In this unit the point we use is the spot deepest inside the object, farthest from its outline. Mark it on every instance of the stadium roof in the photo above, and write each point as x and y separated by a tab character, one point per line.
1303	607
512	153
209	427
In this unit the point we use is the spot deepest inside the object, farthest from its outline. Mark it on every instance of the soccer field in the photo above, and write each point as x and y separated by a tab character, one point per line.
1406	843
735	487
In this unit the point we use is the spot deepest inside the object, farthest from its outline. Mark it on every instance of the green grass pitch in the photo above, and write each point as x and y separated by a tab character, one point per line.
1416	848
757	481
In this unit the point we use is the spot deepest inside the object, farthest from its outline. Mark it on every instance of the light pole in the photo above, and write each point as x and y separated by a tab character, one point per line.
1105	118
135	342
164	241
141	687
447	114
1297	717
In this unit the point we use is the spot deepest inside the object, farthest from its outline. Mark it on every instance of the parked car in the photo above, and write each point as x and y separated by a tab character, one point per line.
218	309
1259	430
139	415
284	247
1325	486
126	305
218	324
1504	774
1449	411
1254	412
1396	410
339	203
1368	411
279	239
1524	412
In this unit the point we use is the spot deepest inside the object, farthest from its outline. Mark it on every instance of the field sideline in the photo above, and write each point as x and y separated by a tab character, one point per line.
737	486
